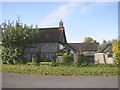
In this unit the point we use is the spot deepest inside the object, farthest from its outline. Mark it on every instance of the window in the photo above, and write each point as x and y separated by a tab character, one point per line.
61	46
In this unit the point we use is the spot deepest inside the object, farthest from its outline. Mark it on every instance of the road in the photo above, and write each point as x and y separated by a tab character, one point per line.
10	80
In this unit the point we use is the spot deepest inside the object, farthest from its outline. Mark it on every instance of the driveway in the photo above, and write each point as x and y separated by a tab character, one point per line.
10	80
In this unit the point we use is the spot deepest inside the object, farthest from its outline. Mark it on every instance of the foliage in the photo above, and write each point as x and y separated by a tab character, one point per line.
34	59
54	63
18	35
11	55
90	70
14	39
67	58
0	52
88	40
116	51
81	60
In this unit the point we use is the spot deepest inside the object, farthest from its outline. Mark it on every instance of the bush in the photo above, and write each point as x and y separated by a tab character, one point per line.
54	63
116	51
34	60
81	59
67	59
12	55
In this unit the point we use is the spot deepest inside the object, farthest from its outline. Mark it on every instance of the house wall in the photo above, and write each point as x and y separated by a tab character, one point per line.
44	51
89	55
49	47
103	58
48	50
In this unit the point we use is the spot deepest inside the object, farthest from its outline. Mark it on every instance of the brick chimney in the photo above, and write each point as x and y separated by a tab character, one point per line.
61	24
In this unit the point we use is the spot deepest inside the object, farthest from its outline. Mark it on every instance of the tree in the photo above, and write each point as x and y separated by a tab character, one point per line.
104	41
17	35
14	39
116	50
88	40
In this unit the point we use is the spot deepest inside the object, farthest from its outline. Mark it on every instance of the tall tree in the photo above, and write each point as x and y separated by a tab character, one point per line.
14	39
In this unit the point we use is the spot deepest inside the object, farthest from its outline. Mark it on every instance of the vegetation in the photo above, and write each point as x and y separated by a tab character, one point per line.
14	39
81	59
54	60
47	69
88	40
116	51
17	37
67	58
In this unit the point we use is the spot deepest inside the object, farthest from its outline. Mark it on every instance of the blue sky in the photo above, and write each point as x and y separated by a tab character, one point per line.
98	20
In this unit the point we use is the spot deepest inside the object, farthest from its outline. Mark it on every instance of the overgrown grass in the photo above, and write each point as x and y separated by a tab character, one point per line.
90	70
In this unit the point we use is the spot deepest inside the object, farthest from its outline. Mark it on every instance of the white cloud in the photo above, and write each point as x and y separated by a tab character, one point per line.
64	11
61	12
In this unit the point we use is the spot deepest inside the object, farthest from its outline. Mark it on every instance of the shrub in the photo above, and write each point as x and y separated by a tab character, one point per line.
116	51
67	59
81	59
54	63
12	55
34	59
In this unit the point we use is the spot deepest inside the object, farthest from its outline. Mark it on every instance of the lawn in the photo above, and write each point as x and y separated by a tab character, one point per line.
44	69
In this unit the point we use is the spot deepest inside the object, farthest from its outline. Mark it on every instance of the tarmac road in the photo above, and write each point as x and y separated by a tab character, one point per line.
10	80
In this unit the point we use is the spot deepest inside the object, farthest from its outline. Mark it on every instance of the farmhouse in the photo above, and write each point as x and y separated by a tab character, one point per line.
52	40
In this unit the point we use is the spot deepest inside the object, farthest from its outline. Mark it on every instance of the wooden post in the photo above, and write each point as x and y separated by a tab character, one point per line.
104	58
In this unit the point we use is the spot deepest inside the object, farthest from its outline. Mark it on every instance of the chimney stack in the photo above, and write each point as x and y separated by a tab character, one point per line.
61	24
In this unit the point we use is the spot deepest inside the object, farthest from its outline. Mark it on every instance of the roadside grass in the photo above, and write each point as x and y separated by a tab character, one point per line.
0	57
63	70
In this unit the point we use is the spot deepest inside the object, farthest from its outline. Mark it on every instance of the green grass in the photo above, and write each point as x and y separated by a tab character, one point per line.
90	70
0	57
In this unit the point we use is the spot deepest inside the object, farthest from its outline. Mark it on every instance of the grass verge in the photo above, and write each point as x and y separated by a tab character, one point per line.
90	70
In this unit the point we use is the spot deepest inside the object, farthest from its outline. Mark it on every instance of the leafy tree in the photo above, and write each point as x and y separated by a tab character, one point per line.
14	39
17	35
116	51
88	40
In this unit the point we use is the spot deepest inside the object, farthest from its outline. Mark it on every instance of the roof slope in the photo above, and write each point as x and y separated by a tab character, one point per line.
106	48
85	46
51	35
